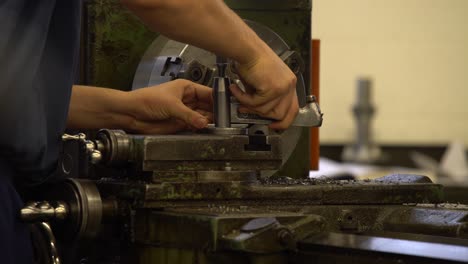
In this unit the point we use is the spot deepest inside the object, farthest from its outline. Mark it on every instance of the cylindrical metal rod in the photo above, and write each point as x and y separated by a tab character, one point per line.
222	106
363	111
221	64
363	150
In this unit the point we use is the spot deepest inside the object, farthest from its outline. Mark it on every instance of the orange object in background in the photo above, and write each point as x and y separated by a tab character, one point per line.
315	90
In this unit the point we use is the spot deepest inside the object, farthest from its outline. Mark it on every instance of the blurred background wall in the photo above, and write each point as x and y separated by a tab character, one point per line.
416	51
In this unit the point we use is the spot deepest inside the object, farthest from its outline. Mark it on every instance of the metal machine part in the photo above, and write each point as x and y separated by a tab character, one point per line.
266	234
54	255
230	216
44	211
198	198
68	212
40	213
363	150
308	116
94	155
165	155
222	100
160	210
164	70
221	95
186	61
74	207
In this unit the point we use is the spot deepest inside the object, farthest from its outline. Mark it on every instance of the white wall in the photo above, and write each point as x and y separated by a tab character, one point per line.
417	53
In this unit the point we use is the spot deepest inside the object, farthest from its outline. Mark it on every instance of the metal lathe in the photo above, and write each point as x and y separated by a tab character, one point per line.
235	192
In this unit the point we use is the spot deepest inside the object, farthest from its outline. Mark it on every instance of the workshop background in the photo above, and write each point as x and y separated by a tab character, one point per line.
416	52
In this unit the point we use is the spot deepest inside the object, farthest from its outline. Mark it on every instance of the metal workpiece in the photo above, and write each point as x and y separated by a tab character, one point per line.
222	64
221	101
363	111
363	149
221	95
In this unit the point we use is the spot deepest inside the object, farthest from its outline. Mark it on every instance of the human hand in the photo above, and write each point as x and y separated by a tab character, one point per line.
271	90
171	107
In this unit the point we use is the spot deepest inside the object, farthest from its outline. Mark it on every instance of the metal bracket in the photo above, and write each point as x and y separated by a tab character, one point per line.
168	68
308	116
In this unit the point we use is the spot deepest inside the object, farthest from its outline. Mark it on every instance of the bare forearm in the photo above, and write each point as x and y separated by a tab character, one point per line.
208	24
161	109
93	108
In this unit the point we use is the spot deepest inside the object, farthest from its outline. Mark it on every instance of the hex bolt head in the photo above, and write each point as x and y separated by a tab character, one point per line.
286	238
196	74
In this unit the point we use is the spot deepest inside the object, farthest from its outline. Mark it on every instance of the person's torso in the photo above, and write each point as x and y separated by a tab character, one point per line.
38	53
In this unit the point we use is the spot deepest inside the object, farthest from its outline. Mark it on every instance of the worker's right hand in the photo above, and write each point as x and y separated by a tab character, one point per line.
271	90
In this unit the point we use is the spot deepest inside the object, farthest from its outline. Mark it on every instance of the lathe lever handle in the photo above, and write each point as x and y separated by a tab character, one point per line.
94	155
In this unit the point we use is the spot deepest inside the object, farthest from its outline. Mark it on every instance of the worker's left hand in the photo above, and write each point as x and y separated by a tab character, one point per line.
171	107
271	90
